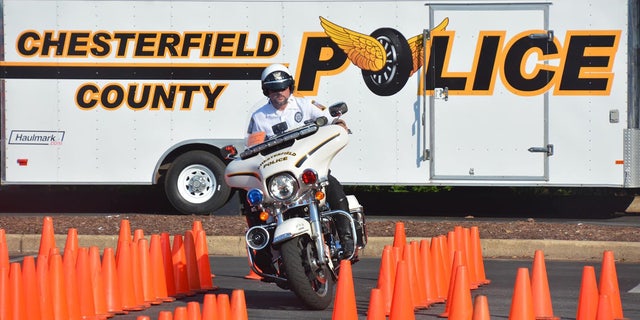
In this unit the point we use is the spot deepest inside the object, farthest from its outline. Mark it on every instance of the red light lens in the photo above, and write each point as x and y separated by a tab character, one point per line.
309	176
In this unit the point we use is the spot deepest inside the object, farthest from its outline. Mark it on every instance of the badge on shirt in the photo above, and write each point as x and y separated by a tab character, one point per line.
298	116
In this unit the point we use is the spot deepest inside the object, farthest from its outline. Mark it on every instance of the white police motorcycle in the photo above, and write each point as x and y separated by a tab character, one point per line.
293	238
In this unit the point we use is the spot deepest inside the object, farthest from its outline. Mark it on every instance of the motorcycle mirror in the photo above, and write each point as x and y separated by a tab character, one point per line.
338	109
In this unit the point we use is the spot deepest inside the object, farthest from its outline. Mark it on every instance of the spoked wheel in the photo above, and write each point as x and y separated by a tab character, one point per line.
313	284
395	73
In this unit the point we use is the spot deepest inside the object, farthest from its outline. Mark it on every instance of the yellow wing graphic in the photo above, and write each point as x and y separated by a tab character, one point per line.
364	51
416	44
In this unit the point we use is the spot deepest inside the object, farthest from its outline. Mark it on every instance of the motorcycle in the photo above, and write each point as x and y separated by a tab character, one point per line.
293	238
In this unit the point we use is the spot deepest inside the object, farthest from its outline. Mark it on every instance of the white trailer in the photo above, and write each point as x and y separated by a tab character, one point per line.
455	92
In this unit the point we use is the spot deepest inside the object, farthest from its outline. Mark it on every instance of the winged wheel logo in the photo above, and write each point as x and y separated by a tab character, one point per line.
387	59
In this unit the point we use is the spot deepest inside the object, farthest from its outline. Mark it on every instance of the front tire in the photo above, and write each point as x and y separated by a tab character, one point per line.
312	284
195	183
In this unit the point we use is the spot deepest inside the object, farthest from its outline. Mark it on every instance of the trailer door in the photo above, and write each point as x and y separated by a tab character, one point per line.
483	126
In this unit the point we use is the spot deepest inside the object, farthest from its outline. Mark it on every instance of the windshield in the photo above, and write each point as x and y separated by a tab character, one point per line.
280	141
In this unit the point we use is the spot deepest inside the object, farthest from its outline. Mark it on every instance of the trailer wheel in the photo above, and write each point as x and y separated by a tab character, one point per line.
395	73
195	183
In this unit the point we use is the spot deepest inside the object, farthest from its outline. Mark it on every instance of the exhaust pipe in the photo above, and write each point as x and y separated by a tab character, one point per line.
257	238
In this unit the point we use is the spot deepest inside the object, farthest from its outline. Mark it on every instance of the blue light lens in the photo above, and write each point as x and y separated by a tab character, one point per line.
255	197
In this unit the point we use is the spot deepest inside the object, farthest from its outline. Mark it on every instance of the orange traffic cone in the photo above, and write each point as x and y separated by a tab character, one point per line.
4	250
461	305
522	300
126	281
589	296
440	273
137	235
471	266
30	285
407	256
238	305
136	268
541	297
196	226
58	287
209	307
414	283
428	272
180	267
71	246
447	257
18	299
124	236
609	284
165	315
192	262
180	313
109	274
605	308
86	300
71	283
344	306
457	243
402	305
193	310
452	247
224	307
158	275
418	264
399	236
478	261
47	238
376	311
148	283
44	287
99	293
202	257
481	308
167	261
6	306
252	275
457	261
386	277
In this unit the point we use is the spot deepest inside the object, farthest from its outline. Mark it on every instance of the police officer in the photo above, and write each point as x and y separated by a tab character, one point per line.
278	86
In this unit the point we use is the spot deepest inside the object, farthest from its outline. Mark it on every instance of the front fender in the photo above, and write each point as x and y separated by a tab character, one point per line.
291	228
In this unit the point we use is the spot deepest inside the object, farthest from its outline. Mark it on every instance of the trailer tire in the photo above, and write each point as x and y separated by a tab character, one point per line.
395	74
195	183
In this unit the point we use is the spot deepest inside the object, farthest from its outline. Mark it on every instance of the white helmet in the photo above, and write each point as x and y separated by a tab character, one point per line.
276	77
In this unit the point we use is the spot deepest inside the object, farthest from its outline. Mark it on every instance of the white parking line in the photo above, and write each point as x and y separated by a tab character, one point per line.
635	290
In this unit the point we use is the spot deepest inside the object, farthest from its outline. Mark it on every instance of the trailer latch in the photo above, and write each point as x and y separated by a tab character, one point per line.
441	93
548	149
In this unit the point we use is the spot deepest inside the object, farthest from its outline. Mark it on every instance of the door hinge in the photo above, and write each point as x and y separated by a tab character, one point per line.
426	155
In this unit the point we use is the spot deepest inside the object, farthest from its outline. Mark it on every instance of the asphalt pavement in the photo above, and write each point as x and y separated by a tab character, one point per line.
267	301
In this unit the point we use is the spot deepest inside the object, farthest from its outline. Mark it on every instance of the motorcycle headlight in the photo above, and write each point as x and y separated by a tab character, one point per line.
283	186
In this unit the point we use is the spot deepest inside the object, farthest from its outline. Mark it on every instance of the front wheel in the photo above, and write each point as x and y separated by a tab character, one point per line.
195	183
312	283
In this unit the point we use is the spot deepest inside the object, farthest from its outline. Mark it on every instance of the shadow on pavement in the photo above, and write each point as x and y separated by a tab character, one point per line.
458	202
495	202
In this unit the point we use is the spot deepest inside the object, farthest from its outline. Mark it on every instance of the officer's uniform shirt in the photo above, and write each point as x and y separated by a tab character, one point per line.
297	111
